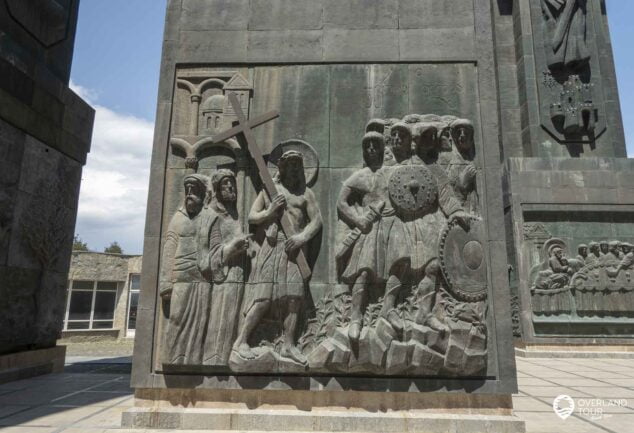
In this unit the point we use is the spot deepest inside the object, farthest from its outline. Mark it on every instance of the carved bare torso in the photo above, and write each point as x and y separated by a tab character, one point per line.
295	206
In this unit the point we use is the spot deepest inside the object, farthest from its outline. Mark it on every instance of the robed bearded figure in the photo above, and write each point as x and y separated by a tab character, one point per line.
223	247
182	285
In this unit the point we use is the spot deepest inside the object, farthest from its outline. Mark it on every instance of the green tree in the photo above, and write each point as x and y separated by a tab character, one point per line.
114	248
79	245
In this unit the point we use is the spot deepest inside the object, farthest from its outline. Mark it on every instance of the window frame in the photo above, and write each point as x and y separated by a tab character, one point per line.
94	291
131	291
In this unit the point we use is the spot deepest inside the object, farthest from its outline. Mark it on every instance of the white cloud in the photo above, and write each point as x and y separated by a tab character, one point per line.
115	180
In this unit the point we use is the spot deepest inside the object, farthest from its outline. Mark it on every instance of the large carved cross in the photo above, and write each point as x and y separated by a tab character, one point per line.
246	127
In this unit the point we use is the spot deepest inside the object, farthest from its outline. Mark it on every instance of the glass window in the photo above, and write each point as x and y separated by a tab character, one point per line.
80	305
83	285
135	282
91	305
104	305
78	325
134	303
107	285
102	325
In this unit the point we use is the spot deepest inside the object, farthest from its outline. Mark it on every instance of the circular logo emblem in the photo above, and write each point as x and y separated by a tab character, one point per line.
564	406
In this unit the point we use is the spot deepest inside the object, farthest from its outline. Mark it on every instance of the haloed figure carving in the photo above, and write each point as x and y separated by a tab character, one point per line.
182	283
365	243
277	282
222	262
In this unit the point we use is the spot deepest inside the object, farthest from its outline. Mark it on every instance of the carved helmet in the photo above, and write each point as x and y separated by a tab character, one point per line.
403	127
376	125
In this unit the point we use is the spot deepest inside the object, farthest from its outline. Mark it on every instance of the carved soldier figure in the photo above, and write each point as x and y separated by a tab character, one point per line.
412	247
614	252
627	260
277	282
181	282
580	261
604	247
222	261
364	205
595	253
566	30
583	253
462	170
401	142
398	251
447	209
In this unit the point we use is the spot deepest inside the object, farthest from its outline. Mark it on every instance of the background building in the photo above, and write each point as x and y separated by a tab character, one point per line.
103	293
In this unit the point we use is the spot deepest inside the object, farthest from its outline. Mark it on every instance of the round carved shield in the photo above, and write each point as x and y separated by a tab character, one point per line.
463	260
311	158
413	189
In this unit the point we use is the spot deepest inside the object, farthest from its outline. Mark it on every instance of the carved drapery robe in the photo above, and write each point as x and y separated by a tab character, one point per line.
189	304
566	33
227	275
275	274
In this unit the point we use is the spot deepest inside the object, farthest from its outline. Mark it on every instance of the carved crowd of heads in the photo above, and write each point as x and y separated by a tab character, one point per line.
423	135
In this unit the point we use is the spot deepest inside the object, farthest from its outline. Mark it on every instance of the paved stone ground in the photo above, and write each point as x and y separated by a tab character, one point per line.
90	397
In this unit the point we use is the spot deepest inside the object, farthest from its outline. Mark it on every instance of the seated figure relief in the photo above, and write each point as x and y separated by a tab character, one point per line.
412	284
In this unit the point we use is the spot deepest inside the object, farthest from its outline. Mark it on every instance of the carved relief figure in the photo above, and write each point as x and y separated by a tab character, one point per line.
580	261
182	284
567	33
410	239
595	252
462	170
592	284
276	280
222	260
444	208
364	205
558	274
627	262
604	247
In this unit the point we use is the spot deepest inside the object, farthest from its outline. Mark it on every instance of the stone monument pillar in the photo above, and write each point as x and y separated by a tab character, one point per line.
325	246
570	202
45	133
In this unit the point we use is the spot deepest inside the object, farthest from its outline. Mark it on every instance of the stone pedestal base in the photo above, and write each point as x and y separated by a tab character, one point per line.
305	411
22	365
617	351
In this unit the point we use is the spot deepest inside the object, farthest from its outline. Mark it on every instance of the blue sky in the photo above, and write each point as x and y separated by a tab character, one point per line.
116	68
